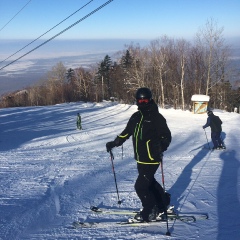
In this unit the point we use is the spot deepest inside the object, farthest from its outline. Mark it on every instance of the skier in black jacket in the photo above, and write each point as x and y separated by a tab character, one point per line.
151	137
215	124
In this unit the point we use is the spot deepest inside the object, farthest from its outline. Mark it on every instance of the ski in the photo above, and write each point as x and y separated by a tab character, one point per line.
219	150
114	211
215	149
132	222
79	225
171	213
120	211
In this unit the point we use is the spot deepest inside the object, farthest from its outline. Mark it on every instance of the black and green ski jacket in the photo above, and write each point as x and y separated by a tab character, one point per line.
150	134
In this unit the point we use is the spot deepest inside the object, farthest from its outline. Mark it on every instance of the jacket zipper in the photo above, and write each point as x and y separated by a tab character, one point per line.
137	133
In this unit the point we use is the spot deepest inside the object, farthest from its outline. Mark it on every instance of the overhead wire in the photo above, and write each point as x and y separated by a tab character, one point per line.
46	32
80	20
15	15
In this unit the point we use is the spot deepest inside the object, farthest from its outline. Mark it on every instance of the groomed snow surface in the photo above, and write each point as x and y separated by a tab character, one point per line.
51	173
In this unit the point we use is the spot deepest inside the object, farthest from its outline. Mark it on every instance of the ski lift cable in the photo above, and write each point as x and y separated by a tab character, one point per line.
46	32
80	20
15	15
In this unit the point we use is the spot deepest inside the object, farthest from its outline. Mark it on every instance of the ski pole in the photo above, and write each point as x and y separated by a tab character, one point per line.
167	233
207	138
122	152
112	157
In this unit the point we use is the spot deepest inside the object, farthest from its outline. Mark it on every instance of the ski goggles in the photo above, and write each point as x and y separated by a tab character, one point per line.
143	100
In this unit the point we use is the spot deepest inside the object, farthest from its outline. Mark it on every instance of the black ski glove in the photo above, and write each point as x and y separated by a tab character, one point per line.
110	145
164	144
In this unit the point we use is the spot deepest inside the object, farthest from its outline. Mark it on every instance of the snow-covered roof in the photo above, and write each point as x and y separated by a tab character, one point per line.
200	98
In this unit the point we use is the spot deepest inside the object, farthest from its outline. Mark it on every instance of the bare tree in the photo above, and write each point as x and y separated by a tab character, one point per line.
196	71
139	67
56	80
183	52
159	61
210	40
83	82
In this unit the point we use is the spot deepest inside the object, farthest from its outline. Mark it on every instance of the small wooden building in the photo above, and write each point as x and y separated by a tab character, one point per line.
200	103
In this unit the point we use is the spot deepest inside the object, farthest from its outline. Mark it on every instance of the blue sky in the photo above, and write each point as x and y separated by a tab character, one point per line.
125	19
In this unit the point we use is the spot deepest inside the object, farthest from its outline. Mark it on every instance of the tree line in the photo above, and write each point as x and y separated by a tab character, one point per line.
174	69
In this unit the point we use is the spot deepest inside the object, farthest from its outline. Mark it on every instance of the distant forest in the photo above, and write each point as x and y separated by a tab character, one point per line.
174	69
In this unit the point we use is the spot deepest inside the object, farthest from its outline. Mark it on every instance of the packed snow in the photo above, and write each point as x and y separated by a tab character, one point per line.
51	173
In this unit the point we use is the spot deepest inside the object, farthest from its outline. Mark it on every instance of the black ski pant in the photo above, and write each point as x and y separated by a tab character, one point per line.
148	189
216	139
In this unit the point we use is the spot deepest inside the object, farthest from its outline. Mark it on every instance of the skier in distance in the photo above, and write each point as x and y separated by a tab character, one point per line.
215	123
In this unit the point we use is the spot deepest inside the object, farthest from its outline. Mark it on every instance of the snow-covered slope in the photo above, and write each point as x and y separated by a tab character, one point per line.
51	173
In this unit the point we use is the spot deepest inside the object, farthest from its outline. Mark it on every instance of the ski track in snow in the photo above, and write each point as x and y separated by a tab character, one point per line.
51	173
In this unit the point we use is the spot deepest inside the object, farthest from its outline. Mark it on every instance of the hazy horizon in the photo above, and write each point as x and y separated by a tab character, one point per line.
72	53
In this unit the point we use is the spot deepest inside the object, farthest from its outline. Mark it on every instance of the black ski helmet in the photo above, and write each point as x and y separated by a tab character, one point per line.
209	113
144	93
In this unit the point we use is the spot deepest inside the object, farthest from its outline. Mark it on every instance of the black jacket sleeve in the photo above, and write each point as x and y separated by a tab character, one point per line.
163	133
125	134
